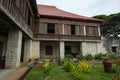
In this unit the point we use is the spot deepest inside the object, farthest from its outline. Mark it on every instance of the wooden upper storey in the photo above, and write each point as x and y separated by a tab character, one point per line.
56	24
55	29
22	12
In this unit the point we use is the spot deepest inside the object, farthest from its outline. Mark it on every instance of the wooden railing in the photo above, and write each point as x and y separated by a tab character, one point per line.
65	37
10	8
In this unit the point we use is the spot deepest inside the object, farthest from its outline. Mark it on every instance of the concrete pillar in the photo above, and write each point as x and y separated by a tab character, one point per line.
13	50
83	47
36	50
62	50
27	50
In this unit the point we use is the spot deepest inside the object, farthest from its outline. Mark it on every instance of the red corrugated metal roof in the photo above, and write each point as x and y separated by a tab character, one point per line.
48	10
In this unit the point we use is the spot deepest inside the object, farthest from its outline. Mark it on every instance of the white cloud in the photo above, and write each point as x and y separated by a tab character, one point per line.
85	7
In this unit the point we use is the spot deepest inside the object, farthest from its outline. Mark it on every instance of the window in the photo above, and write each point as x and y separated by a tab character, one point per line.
114	49
73	29
68	49
92	31
49	50
51	28
28	17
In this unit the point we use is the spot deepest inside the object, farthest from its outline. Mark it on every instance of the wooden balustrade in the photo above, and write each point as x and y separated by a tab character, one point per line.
65	37
16	15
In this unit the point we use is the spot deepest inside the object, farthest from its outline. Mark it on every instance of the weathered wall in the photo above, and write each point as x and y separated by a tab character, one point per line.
27	50
68	22
55	49
35	50
110	42
91	48
13	50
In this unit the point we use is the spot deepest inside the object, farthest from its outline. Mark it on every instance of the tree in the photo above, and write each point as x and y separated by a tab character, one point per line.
111	24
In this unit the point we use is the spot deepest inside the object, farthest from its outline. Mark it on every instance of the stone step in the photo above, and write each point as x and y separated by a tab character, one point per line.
4	73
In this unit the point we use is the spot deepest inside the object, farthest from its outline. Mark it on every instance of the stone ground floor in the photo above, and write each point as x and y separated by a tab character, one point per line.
17	48
56	49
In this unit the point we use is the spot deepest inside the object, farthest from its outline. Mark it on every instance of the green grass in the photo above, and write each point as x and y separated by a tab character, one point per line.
98	73
57	73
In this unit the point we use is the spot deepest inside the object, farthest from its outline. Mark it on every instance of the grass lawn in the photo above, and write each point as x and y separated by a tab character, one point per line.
57	73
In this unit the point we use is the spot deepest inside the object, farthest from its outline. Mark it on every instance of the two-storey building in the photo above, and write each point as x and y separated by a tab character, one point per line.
61	33
29	32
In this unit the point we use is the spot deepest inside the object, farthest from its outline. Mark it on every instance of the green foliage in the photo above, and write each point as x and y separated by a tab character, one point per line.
80	57
85	66
113	56
103	17
101	56
70	57
57	73
98	56
67	65
116	76
110	23
88	57
106	56
46	70
77	72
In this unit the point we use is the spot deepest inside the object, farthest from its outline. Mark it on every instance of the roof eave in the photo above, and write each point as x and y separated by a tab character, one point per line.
69	18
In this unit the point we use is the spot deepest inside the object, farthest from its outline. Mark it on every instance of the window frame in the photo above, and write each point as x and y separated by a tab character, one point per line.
50	26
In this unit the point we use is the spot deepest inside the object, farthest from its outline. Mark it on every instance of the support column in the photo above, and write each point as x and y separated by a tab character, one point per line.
35	50
28	50
99	31
84	48
62	50
13	50
63	29
84	30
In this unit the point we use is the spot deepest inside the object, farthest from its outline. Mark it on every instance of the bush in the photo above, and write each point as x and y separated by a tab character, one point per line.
80	57
88	57
67	65
98	56
69	57
85	66
46	69
113	56
106	56
77	73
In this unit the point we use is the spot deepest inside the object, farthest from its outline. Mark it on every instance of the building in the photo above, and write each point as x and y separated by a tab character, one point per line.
29	32
61	33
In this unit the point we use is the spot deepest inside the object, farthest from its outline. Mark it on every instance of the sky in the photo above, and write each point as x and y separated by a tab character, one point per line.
85	7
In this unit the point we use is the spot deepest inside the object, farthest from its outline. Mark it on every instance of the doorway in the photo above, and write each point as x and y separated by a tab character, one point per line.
22	51
68	50
2	57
